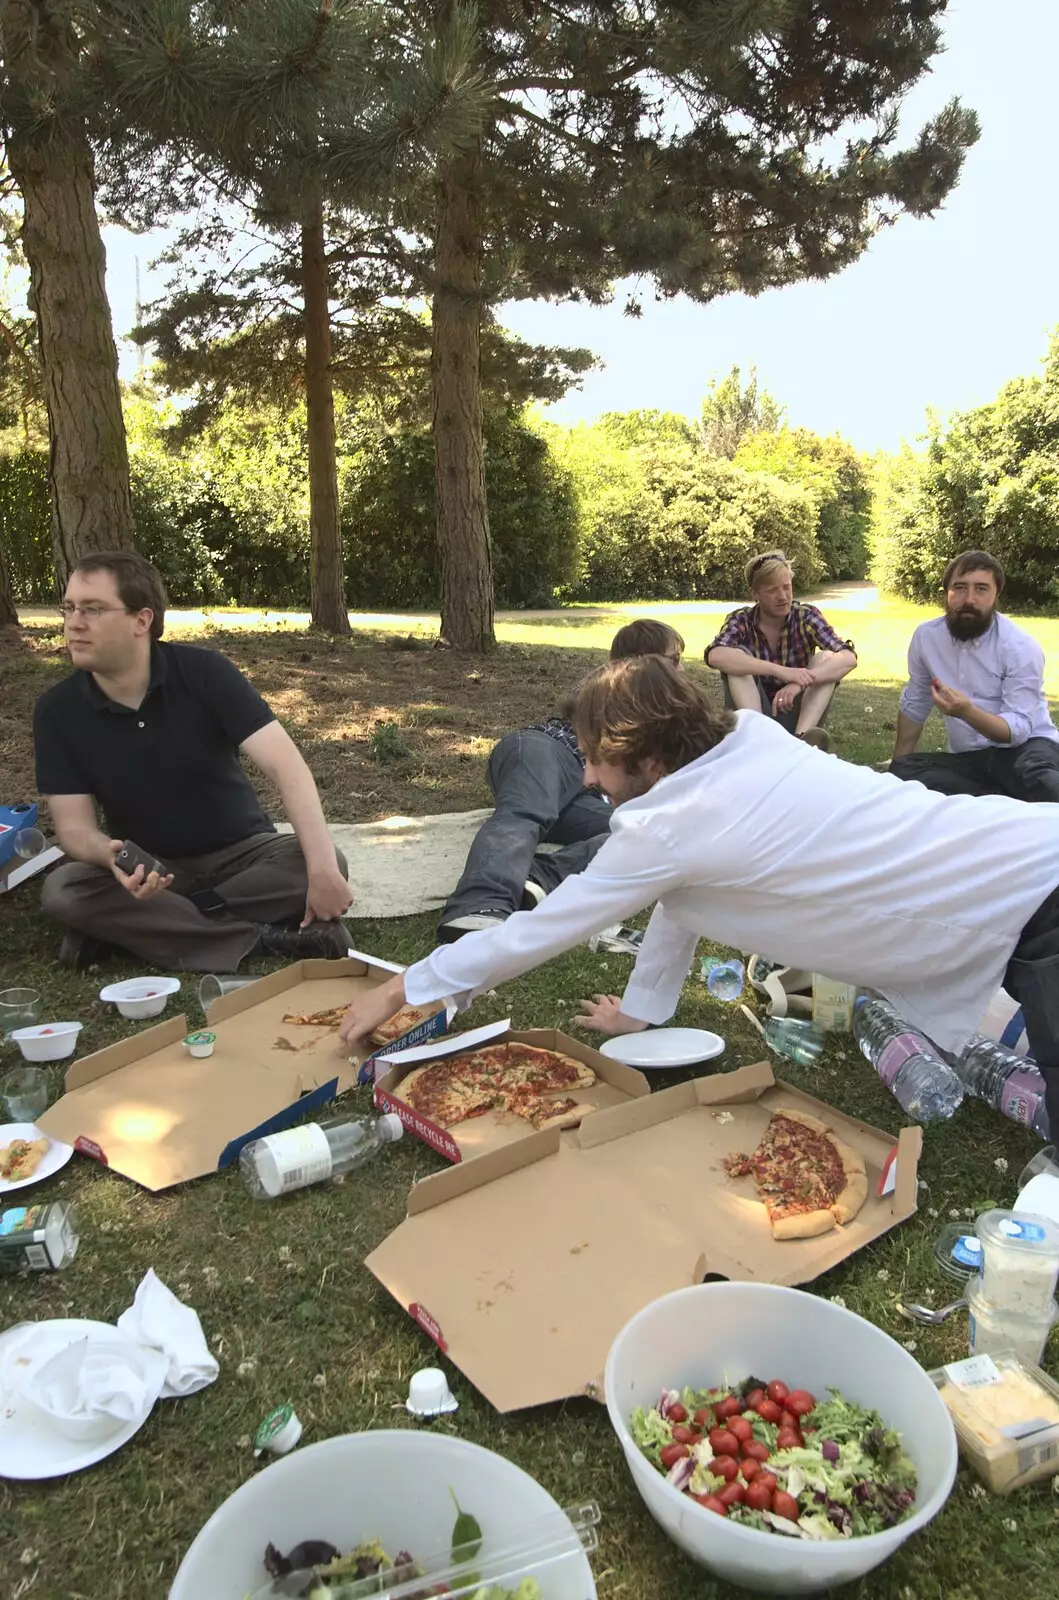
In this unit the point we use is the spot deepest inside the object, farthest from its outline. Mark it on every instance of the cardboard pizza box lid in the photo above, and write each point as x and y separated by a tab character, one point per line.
524	1264
615	1085
146	1109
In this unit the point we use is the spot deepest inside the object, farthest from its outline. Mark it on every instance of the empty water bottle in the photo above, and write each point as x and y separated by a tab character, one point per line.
1004	1080
922	1083
800	1040
280	1162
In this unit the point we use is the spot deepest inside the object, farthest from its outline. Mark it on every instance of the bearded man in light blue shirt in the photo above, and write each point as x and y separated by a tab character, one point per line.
986	677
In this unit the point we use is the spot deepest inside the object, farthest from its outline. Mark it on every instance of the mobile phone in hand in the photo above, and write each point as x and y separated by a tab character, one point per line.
130	856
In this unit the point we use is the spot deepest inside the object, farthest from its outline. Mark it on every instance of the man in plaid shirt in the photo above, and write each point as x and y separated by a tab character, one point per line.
779	655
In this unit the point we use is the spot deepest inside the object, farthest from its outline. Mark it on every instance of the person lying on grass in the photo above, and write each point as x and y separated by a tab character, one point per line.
761	842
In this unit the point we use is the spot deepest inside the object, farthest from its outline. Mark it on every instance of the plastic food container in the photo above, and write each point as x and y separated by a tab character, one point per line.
992	1328
394	1486
48	1041
200	1044
140	997
717	1332
957	1252
1006	1415
1020	1261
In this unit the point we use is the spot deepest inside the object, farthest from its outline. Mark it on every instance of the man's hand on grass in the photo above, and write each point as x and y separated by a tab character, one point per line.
603	1012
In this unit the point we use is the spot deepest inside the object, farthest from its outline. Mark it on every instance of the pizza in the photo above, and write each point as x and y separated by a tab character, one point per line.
317	1019
21	1158
807	1179
510	1077
401	1022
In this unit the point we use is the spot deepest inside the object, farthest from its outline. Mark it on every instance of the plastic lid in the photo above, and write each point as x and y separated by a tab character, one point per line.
391	1127
957	1252
1018	1230
201	1038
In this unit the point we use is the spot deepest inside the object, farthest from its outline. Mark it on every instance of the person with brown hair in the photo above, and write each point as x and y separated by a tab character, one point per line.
536	775
986	677
152	733
735	831
780	655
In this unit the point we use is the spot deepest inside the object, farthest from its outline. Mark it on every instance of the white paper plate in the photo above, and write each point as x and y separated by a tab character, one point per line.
28	1447
55	1157
664	1047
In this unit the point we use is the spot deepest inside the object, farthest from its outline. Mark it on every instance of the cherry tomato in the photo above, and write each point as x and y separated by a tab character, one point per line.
704	1418
670	1454
785	1505
757	1452
728	1408
685	1435
768	1479
769	1411
723	1442
749	1469
733	1494
712	1502
726	1467
778	1390
758	1497
677	1413
789	1420
742	1429
754	1399
787	1439
800	1403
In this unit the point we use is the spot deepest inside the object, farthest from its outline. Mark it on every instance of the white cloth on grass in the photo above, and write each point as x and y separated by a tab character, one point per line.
767	844
157	1318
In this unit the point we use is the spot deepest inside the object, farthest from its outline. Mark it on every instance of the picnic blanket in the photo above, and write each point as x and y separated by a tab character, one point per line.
402	866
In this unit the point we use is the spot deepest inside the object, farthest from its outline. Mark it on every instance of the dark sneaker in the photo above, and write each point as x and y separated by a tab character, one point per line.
81	951
819	738
532	895
321	941
449	932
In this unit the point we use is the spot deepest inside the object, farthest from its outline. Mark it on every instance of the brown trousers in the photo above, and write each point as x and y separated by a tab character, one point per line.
260	879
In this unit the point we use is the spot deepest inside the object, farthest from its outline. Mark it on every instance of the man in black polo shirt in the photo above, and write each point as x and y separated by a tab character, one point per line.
152	734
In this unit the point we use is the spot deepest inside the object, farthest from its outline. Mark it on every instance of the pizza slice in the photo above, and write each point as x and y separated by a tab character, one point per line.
564	1112
317	1019
21	1158
808	1180
438	1093
401	1022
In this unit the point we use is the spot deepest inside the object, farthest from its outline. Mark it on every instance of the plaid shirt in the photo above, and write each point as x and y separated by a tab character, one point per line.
804	631
559	728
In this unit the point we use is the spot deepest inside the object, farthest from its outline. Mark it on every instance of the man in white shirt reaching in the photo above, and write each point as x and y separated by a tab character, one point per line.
759	841
986	677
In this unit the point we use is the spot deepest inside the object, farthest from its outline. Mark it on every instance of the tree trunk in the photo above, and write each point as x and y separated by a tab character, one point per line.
89	466
465	559
330	612
8	614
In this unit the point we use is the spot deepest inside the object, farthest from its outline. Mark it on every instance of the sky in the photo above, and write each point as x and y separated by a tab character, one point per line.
937	313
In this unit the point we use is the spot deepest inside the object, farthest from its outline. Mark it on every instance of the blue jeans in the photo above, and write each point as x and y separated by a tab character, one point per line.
1033	980
538	785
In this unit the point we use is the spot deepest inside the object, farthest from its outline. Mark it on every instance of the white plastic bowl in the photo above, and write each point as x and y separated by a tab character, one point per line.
717	1332
140	997
47	1041
390	1486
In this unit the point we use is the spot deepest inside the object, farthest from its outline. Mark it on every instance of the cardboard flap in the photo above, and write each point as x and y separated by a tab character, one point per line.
464	1176
113	1057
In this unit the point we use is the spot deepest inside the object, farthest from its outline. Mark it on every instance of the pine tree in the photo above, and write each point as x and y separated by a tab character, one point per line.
50	156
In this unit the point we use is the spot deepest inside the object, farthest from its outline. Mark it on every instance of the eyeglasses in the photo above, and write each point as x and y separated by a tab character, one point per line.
91	612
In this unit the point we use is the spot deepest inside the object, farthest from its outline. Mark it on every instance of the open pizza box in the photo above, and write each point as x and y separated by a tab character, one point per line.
148	1110
615	1085
524	1265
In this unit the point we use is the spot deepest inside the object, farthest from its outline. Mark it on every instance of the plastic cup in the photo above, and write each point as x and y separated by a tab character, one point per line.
29	842
1046	1160
25	1094
214	987
19	1008
724	979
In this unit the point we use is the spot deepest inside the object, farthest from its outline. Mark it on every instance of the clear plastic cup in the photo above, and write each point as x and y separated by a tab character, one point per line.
1046	1160
19	1008
724	979
214	987
24	1094
29	842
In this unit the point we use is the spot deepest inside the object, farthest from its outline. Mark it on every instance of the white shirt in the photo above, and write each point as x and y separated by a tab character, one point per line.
1002	671
766	844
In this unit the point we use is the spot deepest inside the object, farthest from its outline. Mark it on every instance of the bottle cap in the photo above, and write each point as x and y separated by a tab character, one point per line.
391	1127
279	1432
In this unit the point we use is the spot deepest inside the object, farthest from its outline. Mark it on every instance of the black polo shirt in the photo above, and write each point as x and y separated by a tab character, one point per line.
167	775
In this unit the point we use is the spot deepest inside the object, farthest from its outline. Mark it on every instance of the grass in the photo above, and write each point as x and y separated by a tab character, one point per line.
283	1295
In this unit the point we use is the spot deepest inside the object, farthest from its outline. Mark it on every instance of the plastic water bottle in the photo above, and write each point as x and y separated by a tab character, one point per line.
1006	1081
922	1083
297	1157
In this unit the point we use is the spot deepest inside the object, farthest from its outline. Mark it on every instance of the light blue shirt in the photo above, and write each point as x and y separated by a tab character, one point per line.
1002	672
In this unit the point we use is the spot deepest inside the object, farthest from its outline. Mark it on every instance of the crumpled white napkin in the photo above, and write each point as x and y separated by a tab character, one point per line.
89	1389
157	1318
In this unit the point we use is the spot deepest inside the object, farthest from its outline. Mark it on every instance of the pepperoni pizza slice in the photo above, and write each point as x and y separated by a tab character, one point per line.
807	1179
